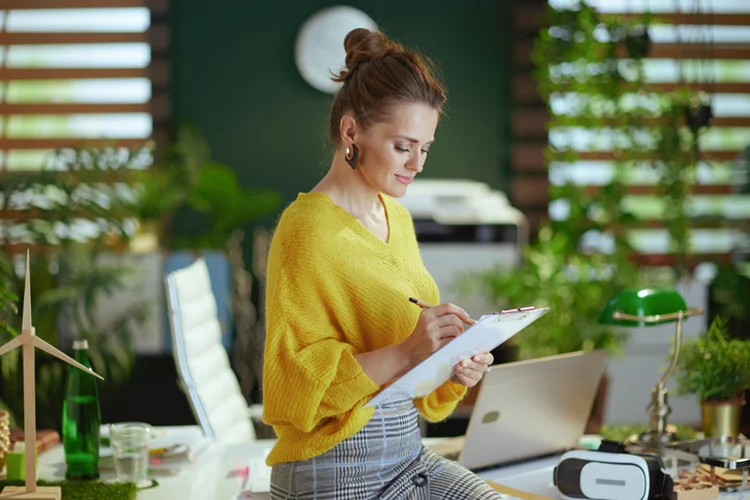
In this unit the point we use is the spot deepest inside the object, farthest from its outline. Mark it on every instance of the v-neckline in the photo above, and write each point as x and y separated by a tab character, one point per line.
354	223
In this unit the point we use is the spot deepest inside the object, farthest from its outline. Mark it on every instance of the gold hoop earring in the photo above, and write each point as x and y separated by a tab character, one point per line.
351	155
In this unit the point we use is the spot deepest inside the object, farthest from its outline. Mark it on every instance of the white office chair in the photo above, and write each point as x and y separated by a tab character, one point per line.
202	361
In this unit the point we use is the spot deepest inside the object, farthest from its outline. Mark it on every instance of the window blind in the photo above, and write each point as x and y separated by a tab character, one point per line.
77	73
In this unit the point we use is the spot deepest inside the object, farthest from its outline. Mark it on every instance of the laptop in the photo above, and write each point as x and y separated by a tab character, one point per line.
528	409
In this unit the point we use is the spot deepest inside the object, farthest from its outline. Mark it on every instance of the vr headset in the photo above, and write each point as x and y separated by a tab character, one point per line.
611	473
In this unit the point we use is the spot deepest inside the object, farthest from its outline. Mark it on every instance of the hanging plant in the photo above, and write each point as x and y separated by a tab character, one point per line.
638	42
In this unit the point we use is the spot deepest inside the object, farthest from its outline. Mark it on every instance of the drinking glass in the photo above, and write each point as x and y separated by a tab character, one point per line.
129	442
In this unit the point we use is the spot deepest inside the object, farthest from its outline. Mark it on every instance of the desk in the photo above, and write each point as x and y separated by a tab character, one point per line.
210	477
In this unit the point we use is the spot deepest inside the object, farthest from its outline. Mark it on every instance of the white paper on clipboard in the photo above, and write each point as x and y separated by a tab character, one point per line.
489	332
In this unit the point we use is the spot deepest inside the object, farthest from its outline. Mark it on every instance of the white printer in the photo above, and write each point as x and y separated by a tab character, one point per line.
463	225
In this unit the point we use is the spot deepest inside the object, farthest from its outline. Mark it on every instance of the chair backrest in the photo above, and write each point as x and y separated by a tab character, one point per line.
201	359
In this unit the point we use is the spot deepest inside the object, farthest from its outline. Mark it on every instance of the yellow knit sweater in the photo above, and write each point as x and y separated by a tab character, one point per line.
335	290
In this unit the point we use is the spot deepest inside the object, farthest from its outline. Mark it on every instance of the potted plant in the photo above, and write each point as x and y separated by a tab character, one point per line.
714	367
572	284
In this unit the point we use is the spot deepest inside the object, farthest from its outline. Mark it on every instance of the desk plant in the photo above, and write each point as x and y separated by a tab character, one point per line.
67	214
714	367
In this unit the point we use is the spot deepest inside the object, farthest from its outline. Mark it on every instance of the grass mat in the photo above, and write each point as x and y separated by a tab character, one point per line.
86	490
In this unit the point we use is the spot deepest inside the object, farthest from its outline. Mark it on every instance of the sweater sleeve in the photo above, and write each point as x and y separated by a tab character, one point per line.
441	402
310	373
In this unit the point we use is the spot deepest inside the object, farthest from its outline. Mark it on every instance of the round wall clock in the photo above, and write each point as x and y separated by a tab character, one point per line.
319	51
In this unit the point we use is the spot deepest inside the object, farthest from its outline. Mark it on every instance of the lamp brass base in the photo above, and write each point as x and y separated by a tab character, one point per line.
652	441
41	493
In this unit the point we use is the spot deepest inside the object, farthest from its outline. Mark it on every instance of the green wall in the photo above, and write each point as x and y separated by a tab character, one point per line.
235	79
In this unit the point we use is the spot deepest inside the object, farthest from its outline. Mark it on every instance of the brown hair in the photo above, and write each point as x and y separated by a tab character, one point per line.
380	73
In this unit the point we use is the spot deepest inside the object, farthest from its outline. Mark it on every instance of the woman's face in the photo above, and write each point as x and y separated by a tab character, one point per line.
394	151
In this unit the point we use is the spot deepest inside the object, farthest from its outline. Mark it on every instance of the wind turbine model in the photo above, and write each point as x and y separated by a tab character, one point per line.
29	341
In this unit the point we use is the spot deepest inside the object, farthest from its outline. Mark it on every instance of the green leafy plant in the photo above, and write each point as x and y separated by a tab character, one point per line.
585	254
74	303
200	200
80	204
573	285
713	366
595	61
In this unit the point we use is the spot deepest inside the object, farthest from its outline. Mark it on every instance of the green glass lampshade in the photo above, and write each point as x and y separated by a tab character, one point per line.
656	301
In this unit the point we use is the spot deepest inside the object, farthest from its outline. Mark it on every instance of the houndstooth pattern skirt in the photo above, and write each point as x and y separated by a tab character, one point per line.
385	460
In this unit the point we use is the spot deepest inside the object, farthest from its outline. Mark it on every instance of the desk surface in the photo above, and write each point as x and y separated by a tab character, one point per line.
216	474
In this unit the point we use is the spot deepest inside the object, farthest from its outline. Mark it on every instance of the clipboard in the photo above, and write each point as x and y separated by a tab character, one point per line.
485	335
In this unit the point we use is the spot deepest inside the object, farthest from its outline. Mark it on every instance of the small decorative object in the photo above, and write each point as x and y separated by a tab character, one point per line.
715	368
689	486
4	436
648	307
638	42
698	112
29	341
16	463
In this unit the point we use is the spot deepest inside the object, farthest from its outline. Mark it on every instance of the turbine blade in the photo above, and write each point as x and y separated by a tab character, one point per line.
15	342
44	346
26	318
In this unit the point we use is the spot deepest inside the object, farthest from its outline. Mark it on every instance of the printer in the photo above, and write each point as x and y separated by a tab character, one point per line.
464	225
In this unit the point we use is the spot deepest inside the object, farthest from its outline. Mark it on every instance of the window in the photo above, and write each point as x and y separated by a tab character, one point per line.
81	72
708	48
77	73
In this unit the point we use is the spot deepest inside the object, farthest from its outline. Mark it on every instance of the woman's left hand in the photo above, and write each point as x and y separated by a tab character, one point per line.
470	371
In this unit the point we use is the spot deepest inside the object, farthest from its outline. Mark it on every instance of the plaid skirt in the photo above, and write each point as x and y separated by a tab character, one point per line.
384	460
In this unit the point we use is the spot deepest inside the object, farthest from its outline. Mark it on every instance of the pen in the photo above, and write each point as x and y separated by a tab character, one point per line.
425	305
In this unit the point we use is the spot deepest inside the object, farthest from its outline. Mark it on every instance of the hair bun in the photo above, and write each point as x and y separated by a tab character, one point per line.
364	46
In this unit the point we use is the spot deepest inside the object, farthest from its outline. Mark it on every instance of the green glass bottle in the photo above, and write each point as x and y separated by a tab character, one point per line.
81	419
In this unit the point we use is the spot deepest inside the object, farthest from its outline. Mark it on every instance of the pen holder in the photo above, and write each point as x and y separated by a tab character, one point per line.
16	464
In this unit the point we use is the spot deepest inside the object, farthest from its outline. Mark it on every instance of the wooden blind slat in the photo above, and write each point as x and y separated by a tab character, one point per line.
72	4
54	143
703	223
157	36
71	108
525	88
528	19
28	38
522	51
530	191
159	107
533	191
704	18
705	155
530	157
532	123
641	190
700	51
669	260
159	72
71	73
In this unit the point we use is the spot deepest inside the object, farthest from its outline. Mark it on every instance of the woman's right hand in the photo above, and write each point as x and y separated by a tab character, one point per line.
436	327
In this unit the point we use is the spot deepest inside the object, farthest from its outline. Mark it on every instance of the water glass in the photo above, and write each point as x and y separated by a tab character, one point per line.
129	442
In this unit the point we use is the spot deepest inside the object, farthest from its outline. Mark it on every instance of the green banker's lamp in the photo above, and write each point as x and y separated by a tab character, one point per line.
649	307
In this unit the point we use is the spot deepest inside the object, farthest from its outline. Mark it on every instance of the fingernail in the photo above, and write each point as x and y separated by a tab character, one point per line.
476	358
464	363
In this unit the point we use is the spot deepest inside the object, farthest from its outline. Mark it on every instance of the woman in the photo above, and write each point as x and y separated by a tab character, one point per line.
343	262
